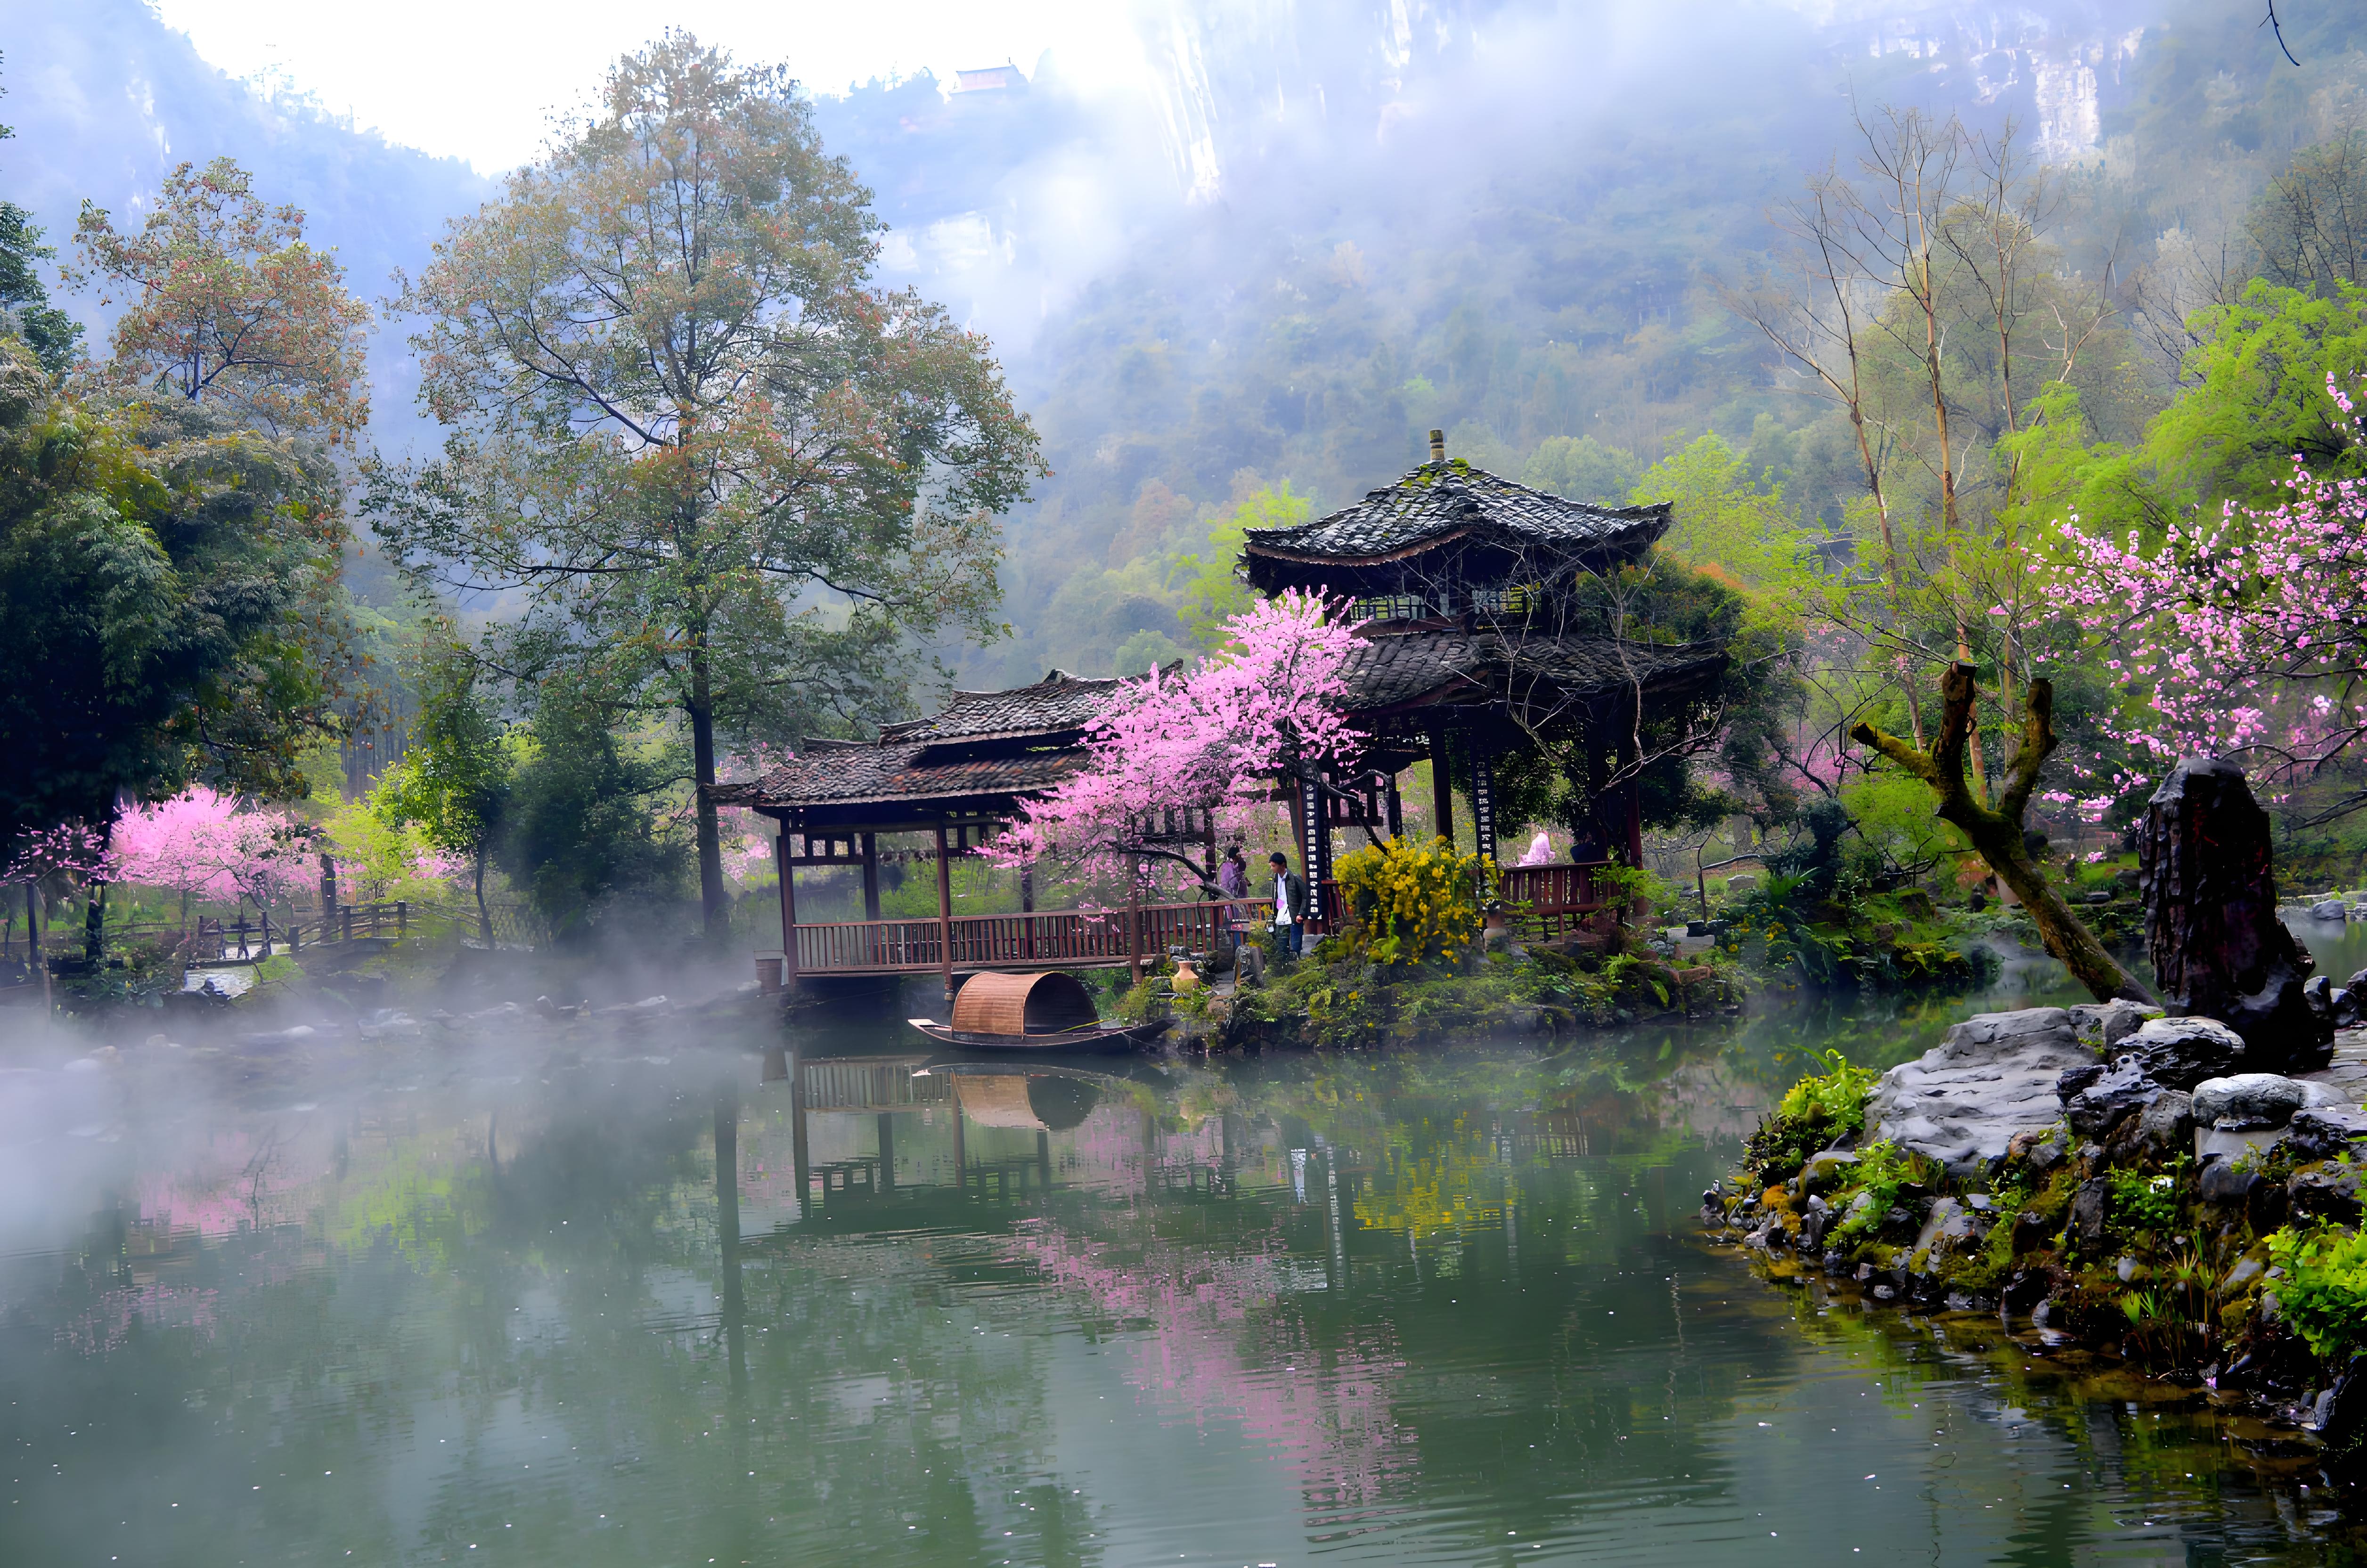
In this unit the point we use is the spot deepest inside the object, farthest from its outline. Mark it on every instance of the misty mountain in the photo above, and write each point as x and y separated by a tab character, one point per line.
1325	226
105	99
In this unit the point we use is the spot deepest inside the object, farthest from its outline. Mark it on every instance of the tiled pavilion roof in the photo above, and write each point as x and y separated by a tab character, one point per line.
1058	702
1442	503
988	747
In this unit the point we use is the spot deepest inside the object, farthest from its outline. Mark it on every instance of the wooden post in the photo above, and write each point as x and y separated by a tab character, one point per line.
401	917
1314	847
1395	805
1442	784
944	914
871	876
1134	919
1028	909
1483	817
961	1150
800	1156
788	914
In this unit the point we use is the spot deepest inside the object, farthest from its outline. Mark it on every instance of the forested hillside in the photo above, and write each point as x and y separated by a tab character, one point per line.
1332	229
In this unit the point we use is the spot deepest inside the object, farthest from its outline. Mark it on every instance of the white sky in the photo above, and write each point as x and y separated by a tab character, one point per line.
478	78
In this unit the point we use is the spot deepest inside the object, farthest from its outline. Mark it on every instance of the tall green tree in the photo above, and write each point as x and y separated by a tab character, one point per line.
730	479
583	835
162	578
455	778
225	303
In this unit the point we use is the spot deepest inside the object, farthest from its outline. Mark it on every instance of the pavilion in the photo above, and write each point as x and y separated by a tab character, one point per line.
1471	644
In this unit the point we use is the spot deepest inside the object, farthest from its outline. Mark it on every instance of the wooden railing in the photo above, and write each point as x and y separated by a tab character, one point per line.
1551	901
1547	902
1071	938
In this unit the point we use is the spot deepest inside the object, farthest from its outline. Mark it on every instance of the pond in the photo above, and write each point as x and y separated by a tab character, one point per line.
643	1296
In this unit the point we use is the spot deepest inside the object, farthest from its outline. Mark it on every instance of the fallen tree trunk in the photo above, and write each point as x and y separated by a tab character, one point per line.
1996	834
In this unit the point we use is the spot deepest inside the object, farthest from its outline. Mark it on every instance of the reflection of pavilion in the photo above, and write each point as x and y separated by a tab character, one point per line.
923	1136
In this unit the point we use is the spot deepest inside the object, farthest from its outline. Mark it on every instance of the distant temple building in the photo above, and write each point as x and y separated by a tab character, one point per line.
990	79
1474	640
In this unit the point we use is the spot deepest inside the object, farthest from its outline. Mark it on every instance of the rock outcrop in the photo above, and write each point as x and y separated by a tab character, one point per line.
2248	1101
2212	929
2178	1054
1991	1078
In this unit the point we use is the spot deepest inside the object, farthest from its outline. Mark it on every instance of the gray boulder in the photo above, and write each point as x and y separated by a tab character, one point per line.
2248	1100
1990	1078
2124	1088
2087	1226
2100	1026
2330	909
1944	1233
2320	1132
2345	1009
2327	1191
2222	1181
2181	1053
1826	1171
2168	1125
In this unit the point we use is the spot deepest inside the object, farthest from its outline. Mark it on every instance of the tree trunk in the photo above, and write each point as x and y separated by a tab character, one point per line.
485	916
94	926
1996	834
710	838
33	930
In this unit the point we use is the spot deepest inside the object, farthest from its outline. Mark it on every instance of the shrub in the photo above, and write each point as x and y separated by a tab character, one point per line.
1884	1169
1408	904
2324	1292
1811	1114
2142	1202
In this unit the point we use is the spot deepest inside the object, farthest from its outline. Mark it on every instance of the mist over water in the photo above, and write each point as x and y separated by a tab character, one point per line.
666	1288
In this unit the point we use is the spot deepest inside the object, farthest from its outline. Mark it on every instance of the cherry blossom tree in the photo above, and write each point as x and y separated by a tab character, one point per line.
2242	634
202	845
1214	737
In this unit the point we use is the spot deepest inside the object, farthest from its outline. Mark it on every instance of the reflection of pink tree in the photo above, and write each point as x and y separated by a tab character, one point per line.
1212	737
1213	1348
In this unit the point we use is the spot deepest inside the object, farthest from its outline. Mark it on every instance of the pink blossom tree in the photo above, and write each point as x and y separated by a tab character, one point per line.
2243	634
203	844
1214	737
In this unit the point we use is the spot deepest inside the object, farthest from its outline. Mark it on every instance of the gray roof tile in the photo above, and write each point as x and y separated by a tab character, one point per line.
1438	502
1058	702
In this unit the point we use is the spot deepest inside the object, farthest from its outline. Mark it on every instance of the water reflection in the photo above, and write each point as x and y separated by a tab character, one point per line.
575	1301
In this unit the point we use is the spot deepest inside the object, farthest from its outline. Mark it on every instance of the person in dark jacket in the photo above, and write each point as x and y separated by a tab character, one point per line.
1290	903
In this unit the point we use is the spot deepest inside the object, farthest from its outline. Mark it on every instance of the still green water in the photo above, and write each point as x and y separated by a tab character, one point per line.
589	1298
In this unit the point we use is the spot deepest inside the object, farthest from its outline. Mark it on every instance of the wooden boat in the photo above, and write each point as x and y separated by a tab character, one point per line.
1046	1011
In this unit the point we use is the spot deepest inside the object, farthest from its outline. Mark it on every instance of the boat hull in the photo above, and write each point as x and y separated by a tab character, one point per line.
1068	1042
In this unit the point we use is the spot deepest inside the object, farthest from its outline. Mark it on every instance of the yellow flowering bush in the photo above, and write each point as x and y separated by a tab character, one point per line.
1408	903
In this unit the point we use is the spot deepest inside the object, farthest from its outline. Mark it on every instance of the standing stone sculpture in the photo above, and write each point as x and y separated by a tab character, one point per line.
2211	930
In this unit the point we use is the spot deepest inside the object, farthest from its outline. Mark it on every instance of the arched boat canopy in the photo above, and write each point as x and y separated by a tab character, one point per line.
1042	1003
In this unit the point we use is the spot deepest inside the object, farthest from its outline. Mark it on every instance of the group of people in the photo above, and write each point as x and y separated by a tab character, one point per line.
1289	893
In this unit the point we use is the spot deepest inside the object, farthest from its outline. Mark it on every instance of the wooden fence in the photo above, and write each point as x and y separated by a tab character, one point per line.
252	938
